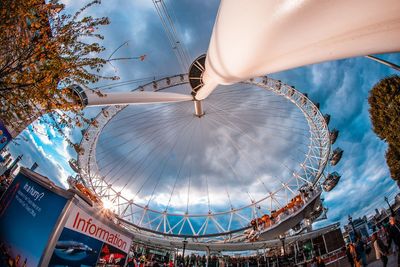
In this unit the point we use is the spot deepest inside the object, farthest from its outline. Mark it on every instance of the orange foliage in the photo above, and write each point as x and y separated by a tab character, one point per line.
42	50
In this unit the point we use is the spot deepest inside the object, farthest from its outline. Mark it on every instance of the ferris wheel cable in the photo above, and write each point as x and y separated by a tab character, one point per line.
144	127
229	102
179	169
251	118
125	83
151	109
231	105
126	160
230	166
189	178
176	140
171	34
134	149
154	78
208	193
184	48
240	120
233	88
170	37
245	112
258	112
153	112
242	96
239	152
172	24
238	148
245	92
174	123
144	133
118	134
159	177
279	127
253	108
265	117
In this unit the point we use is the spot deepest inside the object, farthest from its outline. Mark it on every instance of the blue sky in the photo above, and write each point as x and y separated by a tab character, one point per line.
341	87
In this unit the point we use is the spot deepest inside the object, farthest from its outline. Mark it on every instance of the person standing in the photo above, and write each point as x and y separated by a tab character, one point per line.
320	262
360	251
349	253
394	235
380	249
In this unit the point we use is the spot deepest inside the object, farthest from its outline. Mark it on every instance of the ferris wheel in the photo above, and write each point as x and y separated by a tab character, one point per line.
171	154
169	166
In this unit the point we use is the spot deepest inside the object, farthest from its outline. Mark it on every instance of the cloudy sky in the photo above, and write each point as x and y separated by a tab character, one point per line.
341	87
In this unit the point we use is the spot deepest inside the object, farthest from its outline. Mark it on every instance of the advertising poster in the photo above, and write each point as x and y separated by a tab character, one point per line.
86	241
28	214
111	256
5	136
75	249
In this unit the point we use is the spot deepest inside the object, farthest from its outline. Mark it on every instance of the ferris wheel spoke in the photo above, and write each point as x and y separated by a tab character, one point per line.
232	169
166	157
121	164
239	121
237	116
252	111
145	124
149	132
145	135
181	165
245	158
141	166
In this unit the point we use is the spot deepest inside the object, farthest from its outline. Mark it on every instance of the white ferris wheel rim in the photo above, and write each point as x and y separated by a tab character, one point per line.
89	168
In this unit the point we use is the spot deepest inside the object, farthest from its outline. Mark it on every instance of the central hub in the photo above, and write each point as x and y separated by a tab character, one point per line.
198	108
196	71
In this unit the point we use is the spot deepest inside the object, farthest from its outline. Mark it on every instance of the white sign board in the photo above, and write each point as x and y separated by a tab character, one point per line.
88	225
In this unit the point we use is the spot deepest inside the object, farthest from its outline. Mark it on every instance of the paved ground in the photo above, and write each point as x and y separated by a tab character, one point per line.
391	263
372	262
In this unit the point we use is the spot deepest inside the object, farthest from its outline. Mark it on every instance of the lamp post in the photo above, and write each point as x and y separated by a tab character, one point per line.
390	207
184	242
282	238
352	226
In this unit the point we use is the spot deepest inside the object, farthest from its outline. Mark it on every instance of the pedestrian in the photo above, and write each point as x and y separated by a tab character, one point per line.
314	262
394	235
381	250
349	254
361	256
320	262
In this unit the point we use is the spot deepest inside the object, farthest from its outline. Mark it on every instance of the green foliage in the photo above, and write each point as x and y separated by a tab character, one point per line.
384	100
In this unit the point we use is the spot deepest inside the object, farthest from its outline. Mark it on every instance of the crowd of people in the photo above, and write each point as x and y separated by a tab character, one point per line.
384	242
192	260
276	216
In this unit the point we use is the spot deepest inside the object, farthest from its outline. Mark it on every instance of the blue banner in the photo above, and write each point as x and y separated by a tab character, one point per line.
5	136
28	214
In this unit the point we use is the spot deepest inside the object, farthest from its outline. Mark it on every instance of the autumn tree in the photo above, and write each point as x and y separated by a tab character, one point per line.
43	51
384	100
